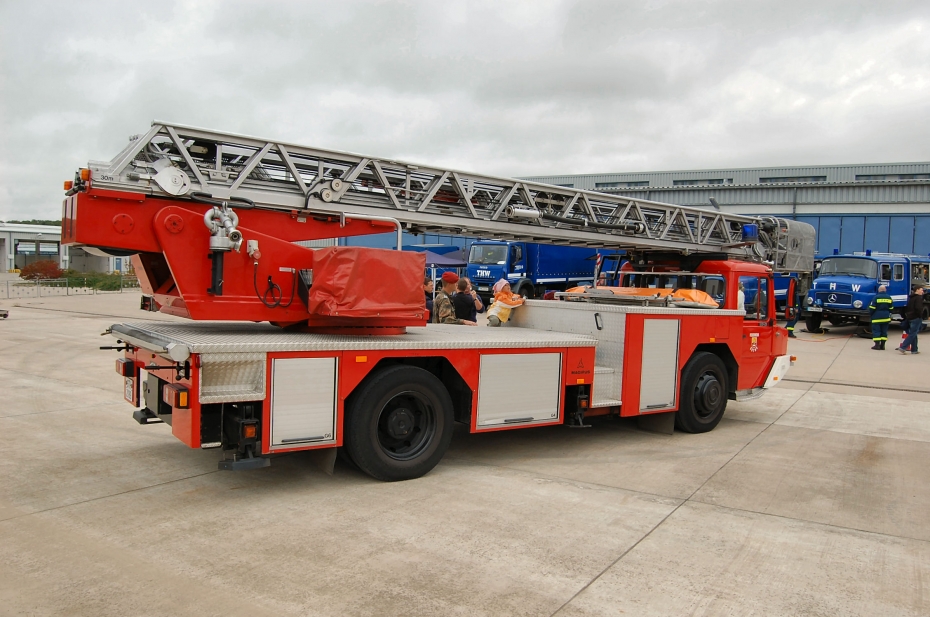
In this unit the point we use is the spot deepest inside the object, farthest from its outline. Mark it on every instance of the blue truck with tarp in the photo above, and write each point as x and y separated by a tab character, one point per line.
846	284
532	269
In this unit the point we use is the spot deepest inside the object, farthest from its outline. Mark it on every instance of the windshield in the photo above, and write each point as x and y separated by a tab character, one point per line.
487	254
849	265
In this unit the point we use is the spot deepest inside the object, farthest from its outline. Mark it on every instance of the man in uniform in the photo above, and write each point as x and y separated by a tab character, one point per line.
444	312
880	310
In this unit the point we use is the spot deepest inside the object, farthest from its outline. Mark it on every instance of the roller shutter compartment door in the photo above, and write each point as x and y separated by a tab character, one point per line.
659	378
519	389
303	402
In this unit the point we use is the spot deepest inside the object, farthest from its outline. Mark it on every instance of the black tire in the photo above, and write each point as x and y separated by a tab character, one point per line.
813	321
398	423
703	396
836	320
527	291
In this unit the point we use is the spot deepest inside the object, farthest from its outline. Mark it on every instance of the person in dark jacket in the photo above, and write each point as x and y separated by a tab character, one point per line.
880	310
428	292
796	303
466	301
913	312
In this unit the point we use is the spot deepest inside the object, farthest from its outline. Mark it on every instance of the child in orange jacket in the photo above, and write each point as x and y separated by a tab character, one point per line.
504	302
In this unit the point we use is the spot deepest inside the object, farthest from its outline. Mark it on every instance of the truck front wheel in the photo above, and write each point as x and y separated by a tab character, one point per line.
398	424
813	321
703	396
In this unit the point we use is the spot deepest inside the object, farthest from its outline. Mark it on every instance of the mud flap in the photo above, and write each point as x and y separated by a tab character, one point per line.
663	423
324	458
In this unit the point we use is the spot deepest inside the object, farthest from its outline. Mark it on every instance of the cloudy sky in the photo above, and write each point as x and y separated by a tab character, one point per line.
505	88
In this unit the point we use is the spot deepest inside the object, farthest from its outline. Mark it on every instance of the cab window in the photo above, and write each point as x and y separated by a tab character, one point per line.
886	272
899	272
753	293
715	287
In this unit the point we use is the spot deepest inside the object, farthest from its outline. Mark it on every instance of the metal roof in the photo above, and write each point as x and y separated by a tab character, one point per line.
890	187
750	176
19	228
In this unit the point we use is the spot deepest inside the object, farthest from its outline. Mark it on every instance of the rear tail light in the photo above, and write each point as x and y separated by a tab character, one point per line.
125	367
176	395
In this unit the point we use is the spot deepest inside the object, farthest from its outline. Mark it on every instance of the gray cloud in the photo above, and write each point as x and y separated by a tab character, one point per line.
504	88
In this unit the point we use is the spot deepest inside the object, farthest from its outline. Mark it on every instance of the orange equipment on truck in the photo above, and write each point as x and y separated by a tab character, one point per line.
329	348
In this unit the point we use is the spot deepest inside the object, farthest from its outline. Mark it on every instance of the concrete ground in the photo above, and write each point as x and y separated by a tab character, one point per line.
813	500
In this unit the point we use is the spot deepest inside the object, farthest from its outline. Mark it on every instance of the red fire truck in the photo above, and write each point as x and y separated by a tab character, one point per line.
296	348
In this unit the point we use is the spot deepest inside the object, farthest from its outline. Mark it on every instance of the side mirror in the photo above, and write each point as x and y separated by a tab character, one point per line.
791	311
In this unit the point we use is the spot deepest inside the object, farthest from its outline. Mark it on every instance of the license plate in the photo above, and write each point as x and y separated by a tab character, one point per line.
482	288
815	309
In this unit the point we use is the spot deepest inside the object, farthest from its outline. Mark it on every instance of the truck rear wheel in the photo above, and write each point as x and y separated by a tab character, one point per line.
398	424
703	396
813	322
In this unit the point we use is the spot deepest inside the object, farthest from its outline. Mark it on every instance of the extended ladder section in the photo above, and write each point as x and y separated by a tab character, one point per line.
180	161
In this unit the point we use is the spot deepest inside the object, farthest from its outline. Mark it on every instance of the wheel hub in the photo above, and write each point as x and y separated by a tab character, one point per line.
400	423
708	393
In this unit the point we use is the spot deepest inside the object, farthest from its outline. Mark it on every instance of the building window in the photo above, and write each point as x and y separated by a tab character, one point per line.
893	177
793	179
696	182
611	185
567	186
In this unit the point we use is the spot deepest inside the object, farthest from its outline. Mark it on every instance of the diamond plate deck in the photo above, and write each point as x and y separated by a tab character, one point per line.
233	337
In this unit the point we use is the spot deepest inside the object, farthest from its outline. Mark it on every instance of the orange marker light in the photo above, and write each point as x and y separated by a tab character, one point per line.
176	395
85	174
68	185
250	431
361	358
579	381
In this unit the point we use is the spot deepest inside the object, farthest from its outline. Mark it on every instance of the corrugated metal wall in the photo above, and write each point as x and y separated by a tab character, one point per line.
896	234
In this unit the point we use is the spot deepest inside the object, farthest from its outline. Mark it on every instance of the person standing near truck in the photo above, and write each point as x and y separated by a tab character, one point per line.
445	313
913	313
428	293
796	303
880	311
466	301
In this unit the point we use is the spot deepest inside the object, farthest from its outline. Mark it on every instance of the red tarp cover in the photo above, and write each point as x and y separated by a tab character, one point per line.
351	281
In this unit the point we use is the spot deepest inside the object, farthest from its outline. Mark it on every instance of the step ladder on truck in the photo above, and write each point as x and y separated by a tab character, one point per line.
329	348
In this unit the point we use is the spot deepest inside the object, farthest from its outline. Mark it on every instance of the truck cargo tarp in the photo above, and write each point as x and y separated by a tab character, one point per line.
350	281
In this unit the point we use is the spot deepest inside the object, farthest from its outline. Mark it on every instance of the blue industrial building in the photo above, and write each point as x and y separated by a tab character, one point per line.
883	207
